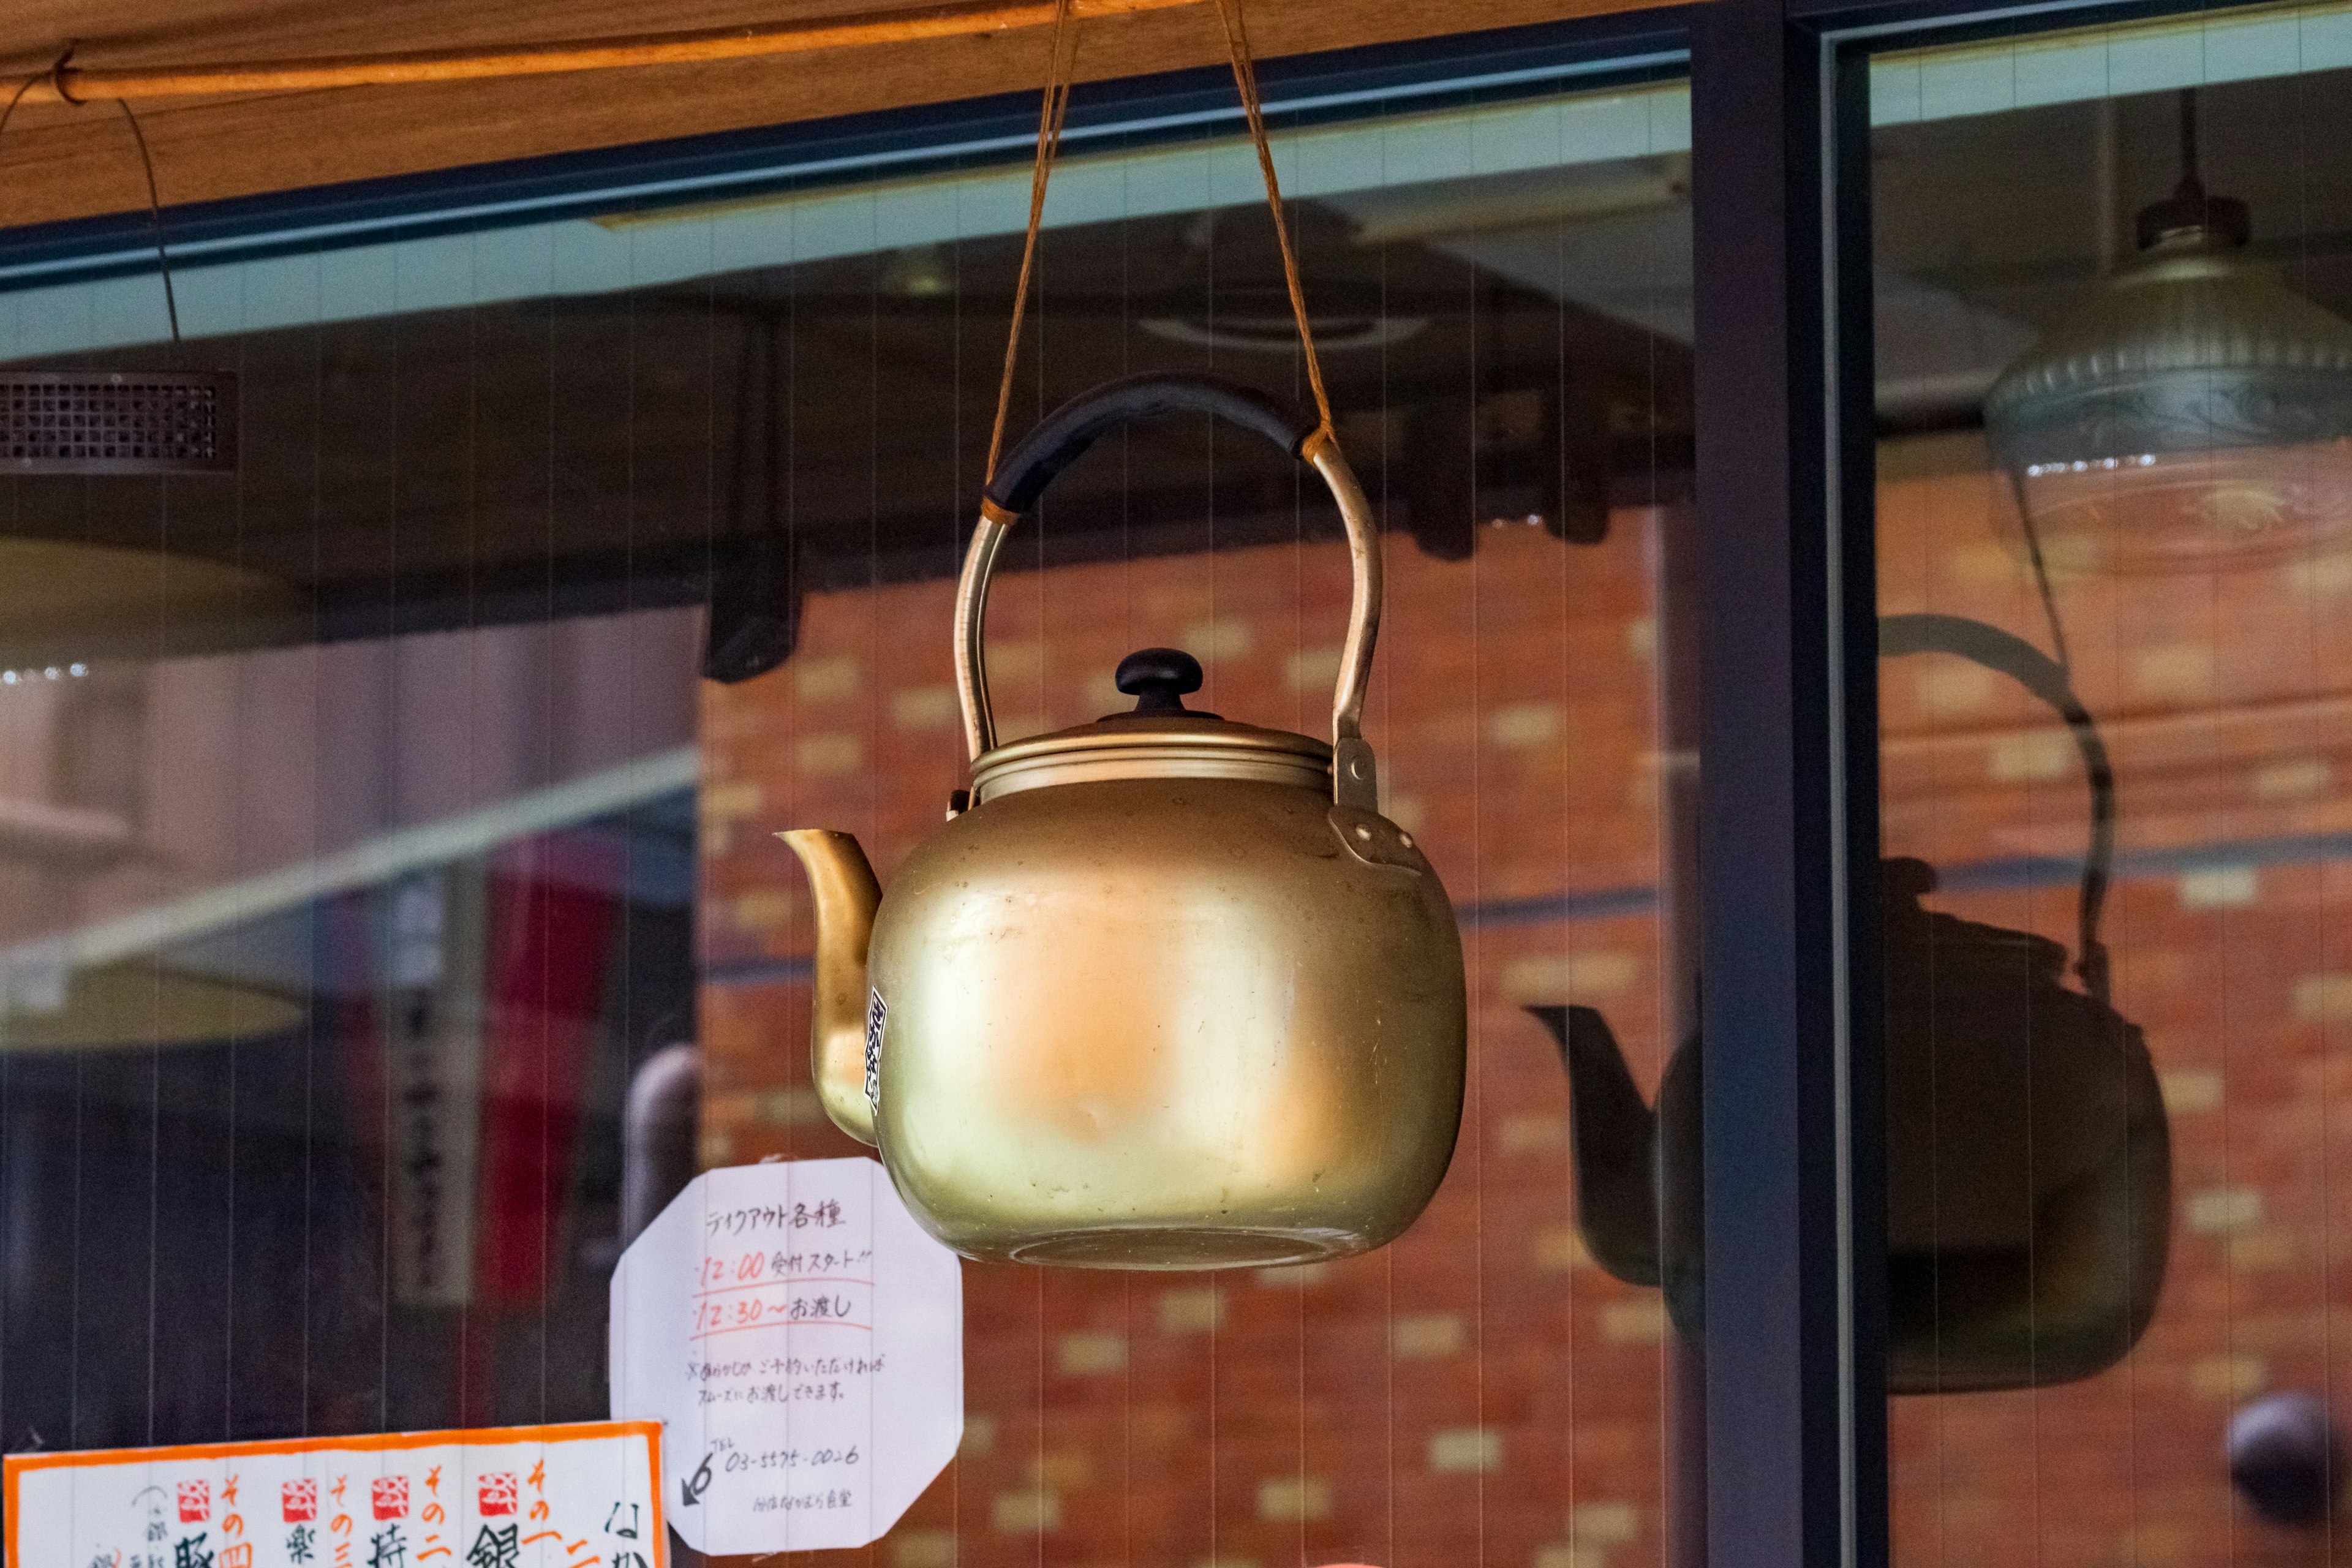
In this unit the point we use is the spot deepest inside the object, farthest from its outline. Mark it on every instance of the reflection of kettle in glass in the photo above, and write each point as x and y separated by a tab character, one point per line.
2029	1172
1171	993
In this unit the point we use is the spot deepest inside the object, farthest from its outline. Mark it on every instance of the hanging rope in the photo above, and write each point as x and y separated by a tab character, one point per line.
1050	116
154	217
1237	49
54	75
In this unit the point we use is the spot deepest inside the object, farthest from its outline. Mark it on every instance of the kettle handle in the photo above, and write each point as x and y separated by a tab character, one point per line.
1058	441
2005	653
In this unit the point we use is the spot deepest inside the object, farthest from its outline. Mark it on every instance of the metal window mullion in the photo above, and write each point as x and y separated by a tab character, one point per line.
1795	1448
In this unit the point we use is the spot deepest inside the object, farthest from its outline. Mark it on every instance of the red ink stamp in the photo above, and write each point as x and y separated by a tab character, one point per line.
496	1493
389	1496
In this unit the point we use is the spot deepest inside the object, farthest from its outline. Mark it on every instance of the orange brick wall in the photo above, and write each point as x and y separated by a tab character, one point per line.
2227	701
1478	1392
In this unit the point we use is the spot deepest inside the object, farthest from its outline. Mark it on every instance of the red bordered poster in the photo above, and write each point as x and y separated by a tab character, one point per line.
582	1495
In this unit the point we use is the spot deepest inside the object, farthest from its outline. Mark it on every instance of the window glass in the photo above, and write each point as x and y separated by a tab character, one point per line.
2113	390
392	914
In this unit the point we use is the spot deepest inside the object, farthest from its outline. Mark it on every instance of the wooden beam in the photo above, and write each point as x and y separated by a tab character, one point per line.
67	81
63	161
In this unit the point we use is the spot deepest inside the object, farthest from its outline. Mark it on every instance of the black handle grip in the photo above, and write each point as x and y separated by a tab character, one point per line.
1062	436
2004	653
2008	654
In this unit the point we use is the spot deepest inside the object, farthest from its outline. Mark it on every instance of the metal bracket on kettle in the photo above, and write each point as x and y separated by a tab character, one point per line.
1059	439
1355	776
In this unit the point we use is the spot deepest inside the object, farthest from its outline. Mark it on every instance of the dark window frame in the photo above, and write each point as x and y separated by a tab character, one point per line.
1786	496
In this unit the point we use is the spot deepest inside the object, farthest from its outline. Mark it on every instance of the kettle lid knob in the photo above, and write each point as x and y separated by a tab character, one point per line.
1905	879
1158	678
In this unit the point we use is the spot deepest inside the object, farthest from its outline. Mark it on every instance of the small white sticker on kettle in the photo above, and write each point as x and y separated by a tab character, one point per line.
877	1013
800	1339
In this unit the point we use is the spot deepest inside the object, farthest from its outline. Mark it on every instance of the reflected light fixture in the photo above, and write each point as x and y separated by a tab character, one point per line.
64	603
2193	411
113	1006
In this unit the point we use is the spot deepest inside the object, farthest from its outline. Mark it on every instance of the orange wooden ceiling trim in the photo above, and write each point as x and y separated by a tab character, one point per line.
68	82
62	161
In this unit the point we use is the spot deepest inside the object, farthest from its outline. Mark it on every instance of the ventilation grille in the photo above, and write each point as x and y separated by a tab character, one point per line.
65	421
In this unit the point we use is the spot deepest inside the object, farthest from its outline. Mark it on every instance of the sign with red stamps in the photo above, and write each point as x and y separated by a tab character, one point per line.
582	1495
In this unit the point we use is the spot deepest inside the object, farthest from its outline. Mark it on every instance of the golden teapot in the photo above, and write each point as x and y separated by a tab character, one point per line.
1167	990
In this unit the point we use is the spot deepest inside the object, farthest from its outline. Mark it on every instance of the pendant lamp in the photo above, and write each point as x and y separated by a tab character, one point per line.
2194	411
113	1006
63	602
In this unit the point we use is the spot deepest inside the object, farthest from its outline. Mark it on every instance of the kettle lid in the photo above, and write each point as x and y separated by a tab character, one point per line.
1918	938
1158	738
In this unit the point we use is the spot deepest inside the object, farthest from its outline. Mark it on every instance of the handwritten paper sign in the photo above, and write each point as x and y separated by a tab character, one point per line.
581	1496
801	1339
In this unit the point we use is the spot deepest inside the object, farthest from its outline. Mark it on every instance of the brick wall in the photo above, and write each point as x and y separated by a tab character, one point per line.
2227	701
1478	1392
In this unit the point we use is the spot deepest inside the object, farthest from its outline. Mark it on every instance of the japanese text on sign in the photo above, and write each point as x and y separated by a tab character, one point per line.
801	1339
526	1497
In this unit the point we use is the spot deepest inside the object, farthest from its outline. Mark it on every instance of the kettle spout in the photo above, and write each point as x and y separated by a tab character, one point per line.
1612	1139
847	895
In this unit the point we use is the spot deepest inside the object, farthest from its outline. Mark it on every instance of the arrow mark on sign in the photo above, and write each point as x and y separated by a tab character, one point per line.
691	1490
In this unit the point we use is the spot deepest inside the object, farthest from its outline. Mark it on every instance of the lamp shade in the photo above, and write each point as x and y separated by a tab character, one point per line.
63	599
2193	411
113	1006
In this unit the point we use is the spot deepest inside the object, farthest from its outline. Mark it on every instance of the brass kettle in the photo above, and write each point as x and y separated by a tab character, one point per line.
1169	992
2028	1176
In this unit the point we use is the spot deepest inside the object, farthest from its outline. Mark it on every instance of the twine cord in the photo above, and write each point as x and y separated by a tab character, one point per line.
1051	114
54	77
154	217
1229	12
